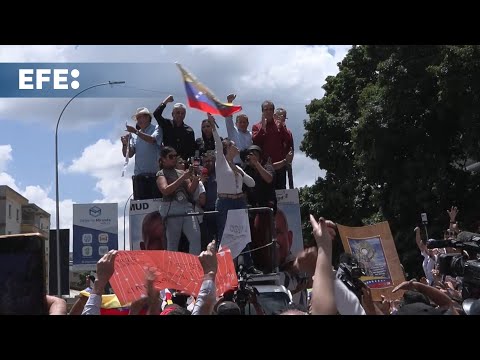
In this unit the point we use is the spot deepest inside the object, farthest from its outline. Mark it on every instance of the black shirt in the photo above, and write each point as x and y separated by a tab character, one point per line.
263	193
181	138
202	144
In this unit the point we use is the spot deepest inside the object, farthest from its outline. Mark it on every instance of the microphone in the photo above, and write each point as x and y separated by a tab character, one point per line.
465	236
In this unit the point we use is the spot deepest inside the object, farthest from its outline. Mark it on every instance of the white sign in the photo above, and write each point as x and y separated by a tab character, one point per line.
237	232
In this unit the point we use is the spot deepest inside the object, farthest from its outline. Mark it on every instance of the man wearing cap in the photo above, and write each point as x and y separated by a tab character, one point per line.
146	146
263	193
175	132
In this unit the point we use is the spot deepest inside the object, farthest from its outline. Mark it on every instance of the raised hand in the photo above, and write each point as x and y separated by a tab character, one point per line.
169	99
252	158
264	122
452	213
131	129
231	97
289	156
153	294
321	234
106	266
208	259
211	121
125	139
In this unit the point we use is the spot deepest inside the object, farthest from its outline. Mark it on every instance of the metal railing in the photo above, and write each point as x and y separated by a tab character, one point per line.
257	210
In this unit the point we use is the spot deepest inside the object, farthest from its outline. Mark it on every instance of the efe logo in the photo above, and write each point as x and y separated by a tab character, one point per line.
33	79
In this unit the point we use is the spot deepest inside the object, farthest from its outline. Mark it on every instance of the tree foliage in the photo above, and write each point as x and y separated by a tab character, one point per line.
393	132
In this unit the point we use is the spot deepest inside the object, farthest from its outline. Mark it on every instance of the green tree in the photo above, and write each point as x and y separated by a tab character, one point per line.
393	132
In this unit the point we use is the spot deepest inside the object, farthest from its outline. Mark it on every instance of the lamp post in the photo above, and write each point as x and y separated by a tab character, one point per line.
124	228
57	203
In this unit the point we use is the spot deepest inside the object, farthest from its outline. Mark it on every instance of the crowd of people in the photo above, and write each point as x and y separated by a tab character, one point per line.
211	175
434	294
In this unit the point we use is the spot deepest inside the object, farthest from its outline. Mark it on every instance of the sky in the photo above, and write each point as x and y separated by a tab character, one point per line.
89	147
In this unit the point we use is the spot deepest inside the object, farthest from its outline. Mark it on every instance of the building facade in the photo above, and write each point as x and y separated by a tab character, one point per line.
18	216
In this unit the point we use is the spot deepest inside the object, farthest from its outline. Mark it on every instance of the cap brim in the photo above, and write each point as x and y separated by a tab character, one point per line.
467	305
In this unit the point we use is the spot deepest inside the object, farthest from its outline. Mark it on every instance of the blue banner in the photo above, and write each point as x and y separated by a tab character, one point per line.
95	231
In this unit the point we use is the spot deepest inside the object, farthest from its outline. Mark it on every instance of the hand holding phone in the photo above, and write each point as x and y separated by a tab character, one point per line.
424	218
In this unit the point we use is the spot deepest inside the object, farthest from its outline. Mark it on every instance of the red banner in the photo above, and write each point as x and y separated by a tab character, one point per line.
174	270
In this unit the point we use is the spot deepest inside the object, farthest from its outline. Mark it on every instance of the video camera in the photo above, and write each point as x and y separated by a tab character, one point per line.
244	291
349	272
459	264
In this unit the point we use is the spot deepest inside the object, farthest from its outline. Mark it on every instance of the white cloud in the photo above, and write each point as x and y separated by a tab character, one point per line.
305	170
5	156
103	161
6	179
40	196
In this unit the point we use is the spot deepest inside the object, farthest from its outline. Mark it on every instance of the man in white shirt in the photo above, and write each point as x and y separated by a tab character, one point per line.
239	132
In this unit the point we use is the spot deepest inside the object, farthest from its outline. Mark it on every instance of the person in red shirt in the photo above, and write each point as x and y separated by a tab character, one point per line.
281	115
274	139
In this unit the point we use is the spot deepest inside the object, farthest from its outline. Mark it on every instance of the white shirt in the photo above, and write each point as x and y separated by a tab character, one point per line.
227	181
428	265
346	301
197	208
243	140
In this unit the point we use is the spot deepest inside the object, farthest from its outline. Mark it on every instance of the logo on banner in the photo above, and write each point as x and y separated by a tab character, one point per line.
33	79
95	211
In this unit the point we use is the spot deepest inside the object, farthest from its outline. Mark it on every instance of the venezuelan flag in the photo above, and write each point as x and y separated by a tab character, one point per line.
110	305
201	98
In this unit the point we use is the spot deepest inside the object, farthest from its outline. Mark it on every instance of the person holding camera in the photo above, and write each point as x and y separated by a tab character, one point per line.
261	195
177	188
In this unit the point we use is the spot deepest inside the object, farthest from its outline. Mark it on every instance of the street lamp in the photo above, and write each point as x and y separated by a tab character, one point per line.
57	203
124	228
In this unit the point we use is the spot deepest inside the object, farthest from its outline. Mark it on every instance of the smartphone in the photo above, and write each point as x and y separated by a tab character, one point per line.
22	275
424	217
196	159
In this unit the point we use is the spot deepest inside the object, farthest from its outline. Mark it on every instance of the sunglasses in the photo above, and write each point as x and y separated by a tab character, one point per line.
172	156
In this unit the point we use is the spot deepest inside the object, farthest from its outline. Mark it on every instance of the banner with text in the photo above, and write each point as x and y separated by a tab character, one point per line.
173	270
237	232
150	226
95	231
